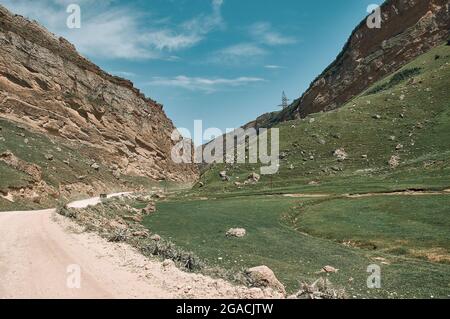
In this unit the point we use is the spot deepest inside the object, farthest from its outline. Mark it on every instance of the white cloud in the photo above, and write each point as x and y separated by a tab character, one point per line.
124	74
208	85
273	67
118	32
235	54
263	33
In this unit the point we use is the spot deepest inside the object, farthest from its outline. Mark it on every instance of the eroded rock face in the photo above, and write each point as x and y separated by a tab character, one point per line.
409	29
46	85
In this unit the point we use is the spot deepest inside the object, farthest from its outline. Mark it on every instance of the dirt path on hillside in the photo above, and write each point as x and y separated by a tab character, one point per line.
39	248
373	194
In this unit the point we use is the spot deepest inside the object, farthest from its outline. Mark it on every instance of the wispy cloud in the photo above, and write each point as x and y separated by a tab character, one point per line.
264	33
118	32
262	38
124	74
235	54
273	67
207	85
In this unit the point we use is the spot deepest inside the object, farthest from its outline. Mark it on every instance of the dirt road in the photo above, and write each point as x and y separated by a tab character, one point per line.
42	255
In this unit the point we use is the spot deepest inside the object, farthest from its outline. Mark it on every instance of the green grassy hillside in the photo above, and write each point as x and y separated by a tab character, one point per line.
406	115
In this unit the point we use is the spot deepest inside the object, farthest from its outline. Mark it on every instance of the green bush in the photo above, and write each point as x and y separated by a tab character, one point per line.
395	80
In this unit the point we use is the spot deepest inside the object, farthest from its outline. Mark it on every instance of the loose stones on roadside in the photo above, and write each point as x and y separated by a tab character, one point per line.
263	277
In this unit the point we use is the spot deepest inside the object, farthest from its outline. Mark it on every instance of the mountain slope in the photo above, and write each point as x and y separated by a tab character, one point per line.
54	103
409	29
47	85
403	118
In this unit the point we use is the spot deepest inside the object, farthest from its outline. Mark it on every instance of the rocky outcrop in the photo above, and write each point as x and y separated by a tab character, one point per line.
46	85
409	29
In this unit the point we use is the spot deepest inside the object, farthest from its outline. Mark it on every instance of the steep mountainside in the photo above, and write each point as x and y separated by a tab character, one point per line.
393	136
409	28
46	86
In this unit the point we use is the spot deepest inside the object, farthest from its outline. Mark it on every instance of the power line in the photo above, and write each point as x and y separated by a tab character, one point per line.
284	101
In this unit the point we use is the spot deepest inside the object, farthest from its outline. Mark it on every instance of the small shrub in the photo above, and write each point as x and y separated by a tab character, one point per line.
395	80
118	236
63	210
320	289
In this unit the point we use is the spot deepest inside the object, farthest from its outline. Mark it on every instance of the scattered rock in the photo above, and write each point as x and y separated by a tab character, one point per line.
117	225
329	270
155	237
394	162
376	117
364	156
160	196
236	232
49	157
141	233
399	147
168	264
311	120
336	136
263	277
320	289
149	209
95	166
254	178
341	154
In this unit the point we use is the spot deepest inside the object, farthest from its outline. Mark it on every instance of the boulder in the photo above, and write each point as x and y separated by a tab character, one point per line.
263	277
141	233
155	237
329	270
236	232
149	209
394	162
168	264
116	225
341	154
254	178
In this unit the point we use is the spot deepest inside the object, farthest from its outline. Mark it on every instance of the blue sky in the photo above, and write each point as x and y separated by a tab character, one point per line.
221	61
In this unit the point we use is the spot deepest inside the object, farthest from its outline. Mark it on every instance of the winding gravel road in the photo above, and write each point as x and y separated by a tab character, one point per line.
39	248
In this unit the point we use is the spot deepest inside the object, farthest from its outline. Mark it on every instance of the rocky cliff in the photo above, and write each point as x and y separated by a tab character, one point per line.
47	86
409	28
